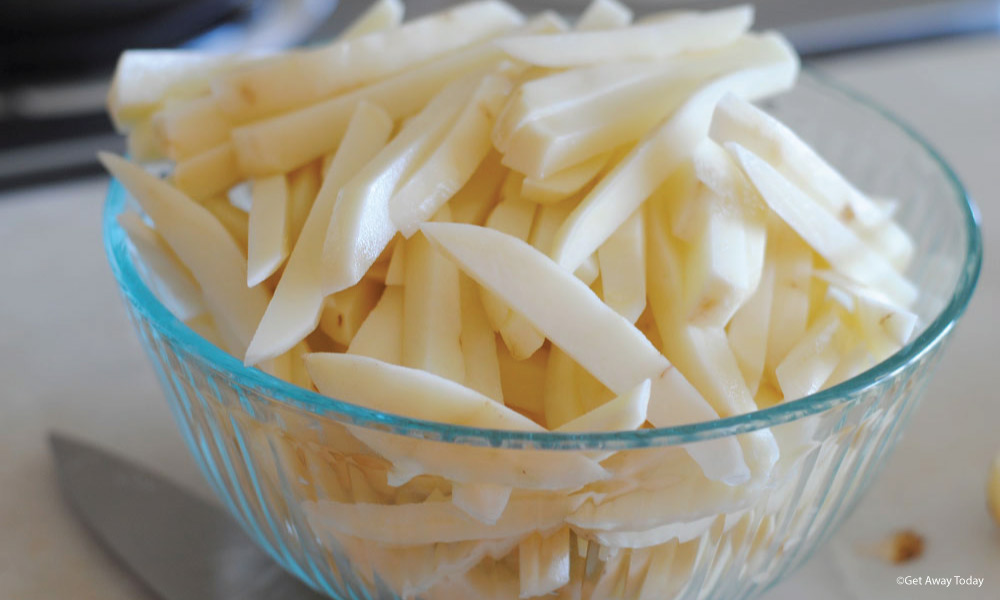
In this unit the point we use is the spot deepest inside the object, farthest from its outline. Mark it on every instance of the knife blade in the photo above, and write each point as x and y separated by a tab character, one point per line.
179	546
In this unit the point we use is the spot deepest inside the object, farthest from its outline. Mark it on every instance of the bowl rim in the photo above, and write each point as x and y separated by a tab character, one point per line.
142	299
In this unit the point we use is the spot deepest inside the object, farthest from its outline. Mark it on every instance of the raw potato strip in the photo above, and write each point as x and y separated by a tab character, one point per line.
203	245
543	563
639	174
236	222
527	280
453	162
381	334
380	16
748	331
298	300
812	360
685	32
884	326
793	269
476	199
523	381
623	268
267	247
344	312
548	219
562	401
208	174
604	14
395	273
624	413
434	522
297	79
174	283
830	238
190	128
484	502
303	187
740	122
360	227
143	144
479	344
409	392
432	311
558	186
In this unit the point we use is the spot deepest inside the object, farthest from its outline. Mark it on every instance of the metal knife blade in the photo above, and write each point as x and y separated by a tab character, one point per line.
181	547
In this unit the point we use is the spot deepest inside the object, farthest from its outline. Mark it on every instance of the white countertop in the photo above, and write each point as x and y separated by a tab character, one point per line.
70	362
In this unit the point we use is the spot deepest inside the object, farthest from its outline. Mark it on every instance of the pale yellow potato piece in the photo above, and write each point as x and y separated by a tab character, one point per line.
548	219
813	359
622	260
685	32
144	144
748	330
298	300
639	174
360	227
885	326
344	312
190	128
543	563
559	186
208	174
474	202
527	281
624	413
380	16
589	271
432	312
381	334
479	345
296	79
482	501
303	187
736	120
523	381
171	280
890	240
396	273
204	325
267	247
457	156
793	269
236	222
562	401
205	248
409	392
826	234
604	14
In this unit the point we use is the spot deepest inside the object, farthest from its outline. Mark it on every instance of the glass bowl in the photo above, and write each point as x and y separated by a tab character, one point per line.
353	522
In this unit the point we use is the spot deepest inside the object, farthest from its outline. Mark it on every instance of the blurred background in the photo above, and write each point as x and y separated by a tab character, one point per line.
56	56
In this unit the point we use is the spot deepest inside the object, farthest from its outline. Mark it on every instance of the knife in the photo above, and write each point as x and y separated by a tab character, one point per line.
179	546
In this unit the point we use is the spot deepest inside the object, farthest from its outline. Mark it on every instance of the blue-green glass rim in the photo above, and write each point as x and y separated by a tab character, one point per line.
145	302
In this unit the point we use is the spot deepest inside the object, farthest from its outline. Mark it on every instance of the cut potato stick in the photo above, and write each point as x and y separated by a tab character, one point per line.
604	14
396	273
303	187
267	246
172	281
298	300
478	196
622	261
891	241
685	32
559	186
204	325
748	331
344	312
812	360
236	222
432	312
208	174
543	563
301	78
453	162
640	173
830	238
203	245
381	334
523	381
409	392
360	227
144	144
479	345
884	326
380	16
484	502
793	268
548	219
624	413
190	128
562	402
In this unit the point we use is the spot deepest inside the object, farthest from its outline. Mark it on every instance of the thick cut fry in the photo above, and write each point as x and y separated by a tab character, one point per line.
640	173
684	32
891	241
432	312
171	280
380	16
298	300
208	174
191	127
543	563
381	334
344	312
267	246
884	326
812	360
827	235
559	186
236	222
453	162
624	413
562	401
604	14
479	345
482	501
623	268
360	227
409	392
548	219
479	195
793	268
748	331
301	78
303	187
205	248
143	144
396	272
523	381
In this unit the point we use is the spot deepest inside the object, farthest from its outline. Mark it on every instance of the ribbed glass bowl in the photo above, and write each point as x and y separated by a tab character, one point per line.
290	467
